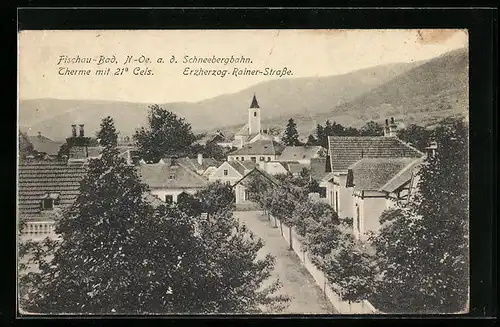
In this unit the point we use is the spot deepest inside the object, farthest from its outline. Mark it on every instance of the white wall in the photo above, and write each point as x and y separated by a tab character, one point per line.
249	157
160	193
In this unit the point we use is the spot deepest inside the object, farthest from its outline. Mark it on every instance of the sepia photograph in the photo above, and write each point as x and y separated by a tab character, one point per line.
243	172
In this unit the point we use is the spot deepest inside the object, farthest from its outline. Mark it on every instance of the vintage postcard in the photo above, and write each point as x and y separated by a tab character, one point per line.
243	172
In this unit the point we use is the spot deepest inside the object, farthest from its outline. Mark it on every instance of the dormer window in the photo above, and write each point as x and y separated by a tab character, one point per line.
49	201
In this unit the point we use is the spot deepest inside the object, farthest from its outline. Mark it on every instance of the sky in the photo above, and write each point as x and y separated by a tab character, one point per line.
306	53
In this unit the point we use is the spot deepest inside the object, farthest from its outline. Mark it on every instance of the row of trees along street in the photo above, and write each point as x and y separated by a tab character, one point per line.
418	261
119	254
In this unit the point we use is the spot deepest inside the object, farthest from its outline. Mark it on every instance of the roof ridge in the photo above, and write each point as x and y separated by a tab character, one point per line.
410	146
399	173
194	174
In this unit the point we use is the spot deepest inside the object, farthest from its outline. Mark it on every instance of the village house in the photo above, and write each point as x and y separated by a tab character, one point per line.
301	154
219	138
262	150
167	179
202	166
230	172
390	157
378	184
241	188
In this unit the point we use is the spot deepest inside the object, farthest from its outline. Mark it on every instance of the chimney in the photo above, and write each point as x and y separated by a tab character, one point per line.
393	128
78	145
387	122
39	134
200	159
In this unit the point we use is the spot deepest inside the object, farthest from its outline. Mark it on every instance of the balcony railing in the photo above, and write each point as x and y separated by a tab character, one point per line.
38	229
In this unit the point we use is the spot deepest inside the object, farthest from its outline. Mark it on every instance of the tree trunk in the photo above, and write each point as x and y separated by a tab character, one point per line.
290	235
275	222
281	227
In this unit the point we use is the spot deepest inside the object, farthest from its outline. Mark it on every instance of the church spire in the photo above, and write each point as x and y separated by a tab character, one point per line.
254	104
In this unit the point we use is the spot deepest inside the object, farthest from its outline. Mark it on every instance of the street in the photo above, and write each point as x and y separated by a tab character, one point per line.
298	284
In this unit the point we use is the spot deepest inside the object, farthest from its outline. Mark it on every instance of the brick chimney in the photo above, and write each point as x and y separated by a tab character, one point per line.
200	159
78	145
390	129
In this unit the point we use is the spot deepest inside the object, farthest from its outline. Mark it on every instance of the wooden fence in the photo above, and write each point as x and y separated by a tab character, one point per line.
344	307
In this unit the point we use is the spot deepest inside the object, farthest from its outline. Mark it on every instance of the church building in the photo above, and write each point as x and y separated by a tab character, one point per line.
252	131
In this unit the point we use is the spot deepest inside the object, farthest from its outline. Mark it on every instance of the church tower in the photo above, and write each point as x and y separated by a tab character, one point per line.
254	117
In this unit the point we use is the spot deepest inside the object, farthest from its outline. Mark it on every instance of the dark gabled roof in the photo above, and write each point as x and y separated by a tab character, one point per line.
346	150
260	147
242	166
318	168
370	174
254	104
258	172
403	177
36	179
294	153
170	176
293	167
45	145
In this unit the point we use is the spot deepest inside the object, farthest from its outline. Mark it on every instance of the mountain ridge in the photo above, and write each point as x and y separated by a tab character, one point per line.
347	98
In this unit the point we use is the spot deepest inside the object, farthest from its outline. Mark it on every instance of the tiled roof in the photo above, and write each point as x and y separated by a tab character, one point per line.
293	167
243	130
242	166
373	173
43	144
192	163
402	177
294	153
169	176
261	147
255	172
35	179
346	150
318	168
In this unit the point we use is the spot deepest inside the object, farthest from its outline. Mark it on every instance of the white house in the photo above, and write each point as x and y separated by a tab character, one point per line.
230	172
167	179
378	184
241	188
262	150
343	153
302	154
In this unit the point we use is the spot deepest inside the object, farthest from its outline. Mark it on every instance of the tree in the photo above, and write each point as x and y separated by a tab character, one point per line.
118	254
417	136
322	234
349	267
311	140
372	129
107	135
422	248
216	197
291	137
166	135
25	147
